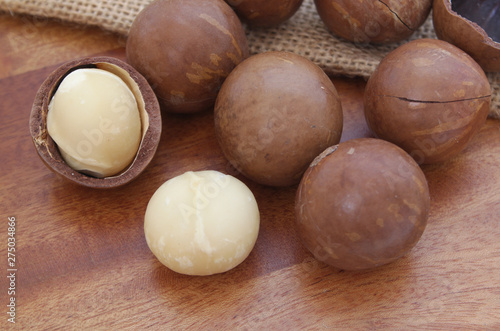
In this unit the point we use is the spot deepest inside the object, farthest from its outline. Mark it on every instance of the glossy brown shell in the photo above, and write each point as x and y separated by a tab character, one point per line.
369	21
274	114
47	149
428	97
466	34
265	13
362	204
186	49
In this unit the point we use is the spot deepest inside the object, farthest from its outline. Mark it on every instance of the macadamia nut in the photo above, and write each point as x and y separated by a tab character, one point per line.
378	22
274	114
94	119
265	13
185	49
428	97
202	223
361	204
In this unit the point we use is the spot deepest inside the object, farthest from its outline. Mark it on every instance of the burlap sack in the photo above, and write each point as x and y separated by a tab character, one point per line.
304	34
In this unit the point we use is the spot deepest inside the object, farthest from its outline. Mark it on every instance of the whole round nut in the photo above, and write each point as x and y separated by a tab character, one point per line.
428	97
186	49
361	204
376	22
265	13
473	26
149	113
274	114
202	223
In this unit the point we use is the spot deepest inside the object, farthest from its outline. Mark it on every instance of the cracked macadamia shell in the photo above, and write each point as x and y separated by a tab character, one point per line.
274	114
473	26
372	21
185	49
362	204
148	107
428	97
265	13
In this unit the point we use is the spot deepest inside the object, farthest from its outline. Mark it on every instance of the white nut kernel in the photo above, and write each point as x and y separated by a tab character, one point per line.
202	223
94	119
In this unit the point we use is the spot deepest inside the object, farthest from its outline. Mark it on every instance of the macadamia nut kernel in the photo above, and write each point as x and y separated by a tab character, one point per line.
202	223
94	119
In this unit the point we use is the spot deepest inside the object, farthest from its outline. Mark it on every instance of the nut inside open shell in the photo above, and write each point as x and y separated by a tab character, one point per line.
149	113
473	26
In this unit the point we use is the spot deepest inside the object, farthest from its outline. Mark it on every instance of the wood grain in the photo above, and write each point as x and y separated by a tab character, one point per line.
83	262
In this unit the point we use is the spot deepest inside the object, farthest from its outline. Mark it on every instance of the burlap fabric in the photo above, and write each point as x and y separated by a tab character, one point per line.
304	34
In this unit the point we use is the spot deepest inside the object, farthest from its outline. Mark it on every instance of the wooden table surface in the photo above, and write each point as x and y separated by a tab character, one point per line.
82	261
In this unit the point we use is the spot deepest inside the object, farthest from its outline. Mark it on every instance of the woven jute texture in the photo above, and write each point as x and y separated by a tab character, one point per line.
304	34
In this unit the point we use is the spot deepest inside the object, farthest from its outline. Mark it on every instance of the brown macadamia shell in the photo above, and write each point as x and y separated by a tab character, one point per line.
368	21
361	204
467	34
265	13
149	113
274	114
428	97
185	49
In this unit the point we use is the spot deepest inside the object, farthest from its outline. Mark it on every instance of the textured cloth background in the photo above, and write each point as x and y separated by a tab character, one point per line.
304	34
